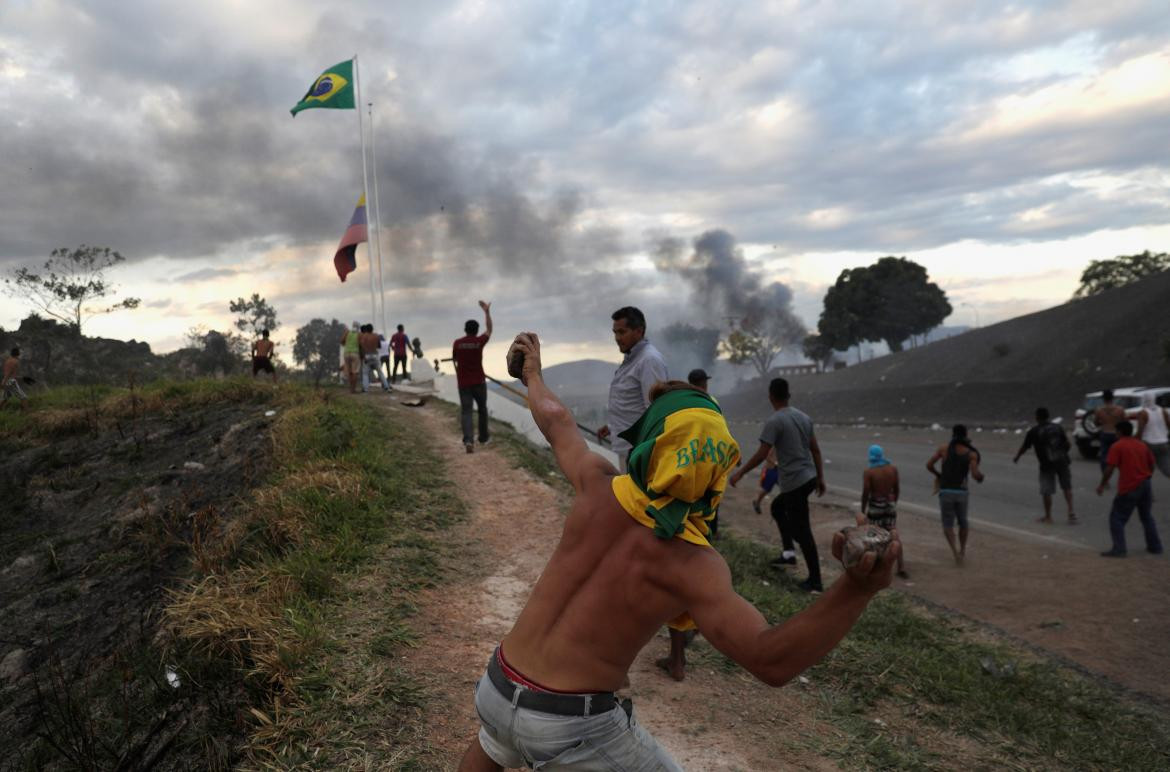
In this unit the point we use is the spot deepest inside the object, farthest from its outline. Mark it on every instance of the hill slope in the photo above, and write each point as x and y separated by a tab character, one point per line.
1002	372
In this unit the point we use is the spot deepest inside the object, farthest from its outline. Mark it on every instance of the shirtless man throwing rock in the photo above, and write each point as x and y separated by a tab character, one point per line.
624	566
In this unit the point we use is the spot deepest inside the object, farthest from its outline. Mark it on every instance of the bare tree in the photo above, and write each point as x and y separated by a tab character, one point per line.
69	281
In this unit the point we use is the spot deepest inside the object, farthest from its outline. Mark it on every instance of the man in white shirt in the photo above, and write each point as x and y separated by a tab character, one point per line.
629	393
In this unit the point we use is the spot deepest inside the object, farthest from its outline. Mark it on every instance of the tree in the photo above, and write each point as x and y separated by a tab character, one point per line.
685	346
70	279
217	352
890	300
760	340
255	314
315	347
818	350
1104	275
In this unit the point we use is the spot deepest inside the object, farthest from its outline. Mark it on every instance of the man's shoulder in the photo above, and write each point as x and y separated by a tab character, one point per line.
650	351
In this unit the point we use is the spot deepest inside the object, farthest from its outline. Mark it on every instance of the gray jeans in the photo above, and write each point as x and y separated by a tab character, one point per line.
516	737
953	506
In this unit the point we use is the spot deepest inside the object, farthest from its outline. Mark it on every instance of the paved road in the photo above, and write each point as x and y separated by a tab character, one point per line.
1009	500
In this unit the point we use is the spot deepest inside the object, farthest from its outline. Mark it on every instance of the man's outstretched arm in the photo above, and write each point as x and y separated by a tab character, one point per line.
778	654
760	454
487	318
554	420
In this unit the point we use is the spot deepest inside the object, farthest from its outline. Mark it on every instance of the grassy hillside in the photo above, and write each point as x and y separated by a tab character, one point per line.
1001	373
180	563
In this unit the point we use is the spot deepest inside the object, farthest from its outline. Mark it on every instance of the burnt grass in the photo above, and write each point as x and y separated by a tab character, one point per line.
96	522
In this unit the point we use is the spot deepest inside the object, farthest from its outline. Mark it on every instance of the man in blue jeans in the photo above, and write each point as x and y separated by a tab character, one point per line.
467	352
1135	464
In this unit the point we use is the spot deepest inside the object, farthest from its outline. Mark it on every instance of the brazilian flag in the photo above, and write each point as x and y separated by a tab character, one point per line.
333	88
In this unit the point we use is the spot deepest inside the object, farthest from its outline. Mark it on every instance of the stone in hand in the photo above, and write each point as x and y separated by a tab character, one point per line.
860	539
515	362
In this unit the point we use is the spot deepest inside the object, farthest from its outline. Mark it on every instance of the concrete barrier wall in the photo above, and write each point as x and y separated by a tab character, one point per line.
512	413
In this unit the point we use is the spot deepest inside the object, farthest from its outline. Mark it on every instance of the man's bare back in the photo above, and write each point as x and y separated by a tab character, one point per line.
608	587
1107	417
264	347
11	368
881	482
368	342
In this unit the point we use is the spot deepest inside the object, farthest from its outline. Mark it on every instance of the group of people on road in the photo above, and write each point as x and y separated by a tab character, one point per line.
1133	453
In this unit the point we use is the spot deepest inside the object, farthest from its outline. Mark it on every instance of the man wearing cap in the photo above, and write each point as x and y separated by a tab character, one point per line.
698	378
641	368
634	554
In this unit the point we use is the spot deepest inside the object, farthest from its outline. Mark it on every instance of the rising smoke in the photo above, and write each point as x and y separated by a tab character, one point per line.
727	289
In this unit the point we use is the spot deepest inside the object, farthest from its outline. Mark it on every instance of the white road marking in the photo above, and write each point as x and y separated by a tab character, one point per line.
932	512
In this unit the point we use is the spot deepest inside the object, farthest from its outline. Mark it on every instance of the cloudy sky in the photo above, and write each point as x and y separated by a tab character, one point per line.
532	153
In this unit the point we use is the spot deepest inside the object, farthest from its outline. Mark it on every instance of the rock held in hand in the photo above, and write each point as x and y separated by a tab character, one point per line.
860	539
515	362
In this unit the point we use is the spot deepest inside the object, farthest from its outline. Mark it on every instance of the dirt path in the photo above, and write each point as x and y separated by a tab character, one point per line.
710	721
1108	616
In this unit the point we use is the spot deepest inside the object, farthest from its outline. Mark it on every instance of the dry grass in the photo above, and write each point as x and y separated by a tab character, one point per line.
239	617
307	594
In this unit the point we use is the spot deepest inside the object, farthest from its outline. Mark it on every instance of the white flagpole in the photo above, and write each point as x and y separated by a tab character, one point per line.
357	90
377	217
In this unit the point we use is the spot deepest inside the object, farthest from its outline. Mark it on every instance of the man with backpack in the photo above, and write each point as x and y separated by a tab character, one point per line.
1051	446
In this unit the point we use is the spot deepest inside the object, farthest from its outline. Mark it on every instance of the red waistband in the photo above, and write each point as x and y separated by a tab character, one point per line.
517	678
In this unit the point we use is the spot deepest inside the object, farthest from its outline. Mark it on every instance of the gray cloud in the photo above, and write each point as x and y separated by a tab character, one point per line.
522	150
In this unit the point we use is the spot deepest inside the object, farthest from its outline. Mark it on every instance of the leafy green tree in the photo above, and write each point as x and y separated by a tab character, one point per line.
1102	275
759	341
69	281
255	314
890	300
818	350
315	347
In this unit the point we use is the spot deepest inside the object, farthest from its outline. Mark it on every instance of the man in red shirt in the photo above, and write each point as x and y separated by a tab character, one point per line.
398	343
468	355
1135	464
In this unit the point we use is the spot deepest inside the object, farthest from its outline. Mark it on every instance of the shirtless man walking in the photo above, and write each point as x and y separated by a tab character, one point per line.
262	356
10	382
879	496
959	459
1107	417
624	566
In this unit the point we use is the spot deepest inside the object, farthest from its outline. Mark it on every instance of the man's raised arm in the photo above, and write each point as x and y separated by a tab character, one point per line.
554	420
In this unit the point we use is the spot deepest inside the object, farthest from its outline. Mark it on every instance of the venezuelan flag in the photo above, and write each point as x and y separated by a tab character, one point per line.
357	232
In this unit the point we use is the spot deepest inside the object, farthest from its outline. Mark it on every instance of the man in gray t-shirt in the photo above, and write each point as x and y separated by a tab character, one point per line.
801	472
